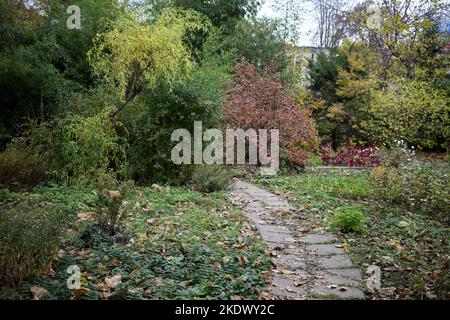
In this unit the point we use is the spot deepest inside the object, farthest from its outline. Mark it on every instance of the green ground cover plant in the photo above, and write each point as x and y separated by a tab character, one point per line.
409	243
172	244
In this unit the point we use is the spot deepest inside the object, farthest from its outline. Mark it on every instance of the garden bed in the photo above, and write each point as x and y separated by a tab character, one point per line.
173	244
411	247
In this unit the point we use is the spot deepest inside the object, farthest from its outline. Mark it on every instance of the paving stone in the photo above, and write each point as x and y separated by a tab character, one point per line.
284	286
279	238
273	228
273	237
277	246
255	205
318	238
325	292
353	273
335	269
278	205
258	193
335	262
325	249
290	262
331	279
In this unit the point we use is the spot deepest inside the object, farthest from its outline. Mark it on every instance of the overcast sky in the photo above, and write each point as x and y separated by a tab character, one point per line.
306	27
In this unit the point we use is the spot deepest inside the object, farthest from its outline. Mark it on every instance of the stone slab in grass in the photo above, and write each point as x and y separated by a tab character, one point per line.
325	249
278	238
335	262
297	261
338	292
316	238
290	262
331	279
351	273
264	228
284	286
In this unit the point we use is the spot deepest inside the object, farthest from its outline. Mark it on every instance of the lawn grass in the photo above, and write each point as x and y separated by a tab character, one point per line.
179	244
411	248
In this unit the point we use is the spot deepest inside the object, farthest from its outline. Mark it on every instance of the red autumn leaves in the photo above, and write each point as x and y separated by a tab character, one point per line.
258	101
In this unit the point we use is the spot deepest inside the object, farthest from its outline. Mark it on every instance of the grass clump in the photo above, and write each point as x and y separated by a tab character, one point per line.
348	219
210	178
21	169
29	240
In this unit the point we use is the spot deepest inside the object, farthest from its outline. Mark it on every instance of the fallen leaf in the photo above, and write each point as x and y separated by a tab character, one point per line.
115	262
49	273
235	298
228	277
186	283
85	216
333	286
104	295
156	187
146	207
38	292
102	286
389	291
114	194
299	282
287	272
142	236
242	260
217	266
78	293
114	281
403	224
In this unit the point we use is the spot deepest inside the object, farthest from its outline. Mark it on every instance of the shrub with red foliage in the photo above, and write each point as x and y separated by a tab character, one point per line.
258	101
350	156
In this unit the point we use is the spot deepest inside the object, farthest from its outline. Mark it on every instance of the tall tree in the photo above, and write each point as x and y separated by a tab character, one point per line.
135	55
290	16
329	15
260	41
222	13
405	29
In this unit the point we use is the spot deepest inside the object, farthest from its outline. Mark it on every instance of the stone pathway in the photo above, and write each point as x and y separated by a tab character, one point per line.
308	267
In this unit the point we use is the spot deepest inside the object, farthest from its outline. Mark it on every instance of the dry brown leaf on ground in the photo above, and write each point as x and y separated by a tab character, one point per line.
38	292
242	260
115	262
114	281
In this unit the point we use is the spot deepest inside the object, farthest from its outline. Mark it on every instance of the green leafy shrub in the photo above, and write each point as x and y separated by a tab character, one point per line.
82	148
414	112
150	122
315	161
210	178
6	195
417	187
348	219
21	168
29	240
